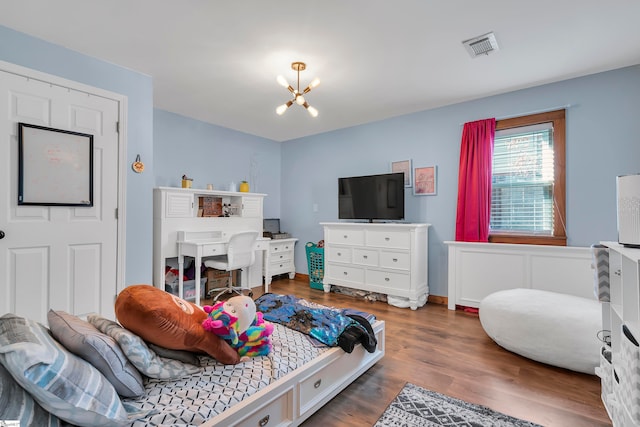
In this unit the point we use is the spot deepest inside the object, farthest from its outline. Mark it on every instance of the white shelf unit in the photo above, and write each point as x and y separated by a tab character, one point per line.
176	209
621	376
387	258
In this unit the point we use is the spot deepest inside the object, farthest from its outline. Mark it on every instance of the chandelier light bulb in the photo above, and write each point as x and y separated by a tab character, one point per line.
314	83
300	99
281	109
282	81
312	111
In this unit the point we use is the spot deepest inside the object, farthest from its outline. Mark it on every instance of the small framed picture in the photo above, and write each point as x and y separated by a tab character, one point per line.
424	183
403	166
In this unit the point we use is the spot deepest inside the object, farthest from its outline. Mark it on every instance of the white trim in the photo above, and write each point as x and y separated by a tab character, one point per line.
122	147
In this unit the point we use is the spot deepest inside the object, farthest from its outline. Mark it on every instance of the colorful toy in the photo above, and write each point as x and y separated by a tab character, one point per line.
237	322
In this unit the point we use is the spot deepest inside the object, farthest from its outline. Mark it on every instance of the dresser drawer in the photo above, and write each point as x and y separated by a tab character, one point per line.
213	250
261	245
343	273
281	267
397	260
389	239
338	254
278	412
365	257
318	385
277	248
389	279
345	236
280	257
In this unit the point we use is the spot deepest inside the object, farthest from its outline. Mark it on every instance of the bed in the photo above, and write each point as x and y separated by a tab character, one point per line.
297	378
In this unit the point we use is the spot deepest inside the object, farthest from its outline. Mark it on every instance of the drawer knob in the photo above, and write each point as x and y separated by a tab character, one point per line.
264	421
395	259
386	279
317	383
387	239
365	256
345	273
345	236
275	249
339	253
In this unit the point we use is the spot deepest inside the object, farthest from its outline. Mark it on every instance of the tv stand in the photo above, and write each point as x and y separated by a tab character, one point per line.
387	258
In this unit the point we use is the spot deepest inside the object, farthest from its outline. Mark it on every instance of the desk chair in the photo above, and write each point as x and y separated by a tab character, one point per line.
240	254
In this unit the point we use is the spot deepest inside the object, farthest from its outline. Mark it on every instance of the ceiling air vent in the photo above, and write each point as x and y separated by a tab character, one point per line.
481	45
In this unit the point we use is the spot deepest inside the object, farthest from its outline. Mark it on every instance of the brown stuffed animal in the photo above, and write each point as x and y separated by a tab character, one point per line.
164	319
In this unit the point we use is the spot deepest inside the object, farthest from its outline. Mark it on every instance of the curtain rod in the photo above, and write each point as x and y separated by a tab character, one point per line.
530	112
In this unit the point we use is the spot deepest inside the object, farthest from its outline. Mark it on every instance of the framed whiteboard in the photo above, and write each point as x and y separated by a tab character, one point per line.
55	167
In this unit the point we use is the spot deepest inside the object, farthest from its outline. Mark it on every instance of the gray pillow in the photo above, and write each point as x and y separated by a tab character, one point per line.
181	355
138	353
103	352
17	404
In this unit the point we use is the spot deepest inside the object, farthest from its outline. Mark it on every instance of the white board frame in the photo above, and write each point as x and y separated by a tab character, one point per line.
55	167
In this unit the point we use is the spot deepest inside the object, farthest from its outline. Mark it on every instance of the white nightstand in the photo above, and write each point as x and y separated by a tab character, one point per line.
278	259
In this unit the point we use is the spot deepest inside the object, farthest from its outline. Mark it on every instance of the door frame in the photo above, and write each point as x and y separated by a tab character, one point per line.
29	73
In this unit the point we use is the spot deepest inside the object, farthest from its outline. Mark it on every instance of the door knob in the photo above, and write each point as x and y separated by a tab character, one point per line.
1	234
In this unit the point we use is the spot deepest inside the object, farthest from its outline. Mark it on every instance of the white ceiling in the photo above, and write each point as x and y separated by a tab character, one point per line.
217	61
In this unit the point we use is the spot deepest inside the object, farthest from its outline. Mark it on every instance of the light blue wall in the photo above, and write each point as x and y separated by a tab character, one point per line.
215	155
296	175
26	51
602	142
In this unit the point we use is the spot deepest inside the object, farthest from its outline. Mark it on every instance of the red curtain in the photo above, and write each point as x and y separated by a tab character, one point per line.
474	181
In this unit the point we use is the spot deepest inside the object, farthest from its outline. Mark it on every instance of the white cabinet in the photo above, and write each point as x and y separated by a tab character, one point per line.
387	258
278	259
621	375
178	209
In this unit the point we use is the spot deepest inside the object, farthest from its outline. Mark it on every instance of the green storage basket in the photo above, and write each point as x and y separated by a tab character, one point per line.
315	262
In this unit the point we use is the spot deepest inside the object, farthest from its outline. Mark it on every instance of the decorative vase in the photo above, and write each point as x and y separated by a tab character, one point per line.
244	187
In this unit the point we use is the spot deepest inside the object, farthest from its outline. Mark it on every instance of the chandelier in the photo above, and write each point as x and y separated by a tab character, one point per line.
298	96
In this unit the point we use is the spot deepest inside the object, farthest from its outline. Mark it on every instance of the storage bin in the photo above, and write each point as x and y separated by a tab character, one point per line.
605	372
629	374
315	263
188	289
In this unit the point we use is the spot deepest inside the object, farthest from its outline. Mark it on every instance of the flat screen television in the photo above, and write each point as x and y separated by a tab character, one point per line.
372	197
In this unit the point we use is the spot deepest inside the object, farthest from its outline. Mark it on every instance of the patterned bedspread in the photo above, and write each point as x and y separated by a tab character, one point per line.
193	400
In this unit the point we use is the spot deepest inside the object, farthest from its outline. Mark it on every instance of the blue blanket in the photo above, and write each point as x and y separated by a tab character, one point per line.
330	326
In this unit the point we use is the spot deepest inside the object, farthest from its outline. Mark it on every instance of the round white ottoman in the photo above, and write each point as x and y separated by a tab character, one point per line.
549	327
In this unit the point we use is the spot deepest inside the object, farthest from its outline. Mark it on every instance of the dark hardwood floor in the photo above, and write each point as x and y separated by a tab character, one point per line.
449	352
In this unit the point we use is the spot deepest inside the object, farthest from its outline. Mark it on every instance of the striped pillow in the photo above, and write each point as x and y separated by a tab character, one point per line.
17	404
61	382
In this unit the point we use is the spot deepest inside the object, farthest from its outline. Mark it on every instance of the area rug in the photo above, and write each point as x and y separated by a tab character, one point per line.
416	406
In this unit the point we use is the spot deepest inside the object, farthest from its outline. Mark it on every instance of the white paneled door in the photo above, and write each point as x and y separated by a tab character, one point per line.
58	257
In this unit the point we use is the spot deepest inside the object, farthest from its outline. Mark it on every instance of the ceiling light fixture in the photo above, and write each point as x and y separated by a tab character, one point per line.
298	97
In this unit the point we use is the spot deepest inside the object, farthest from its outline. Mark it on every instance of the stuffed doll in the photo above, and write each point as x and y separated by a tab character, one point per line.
237	322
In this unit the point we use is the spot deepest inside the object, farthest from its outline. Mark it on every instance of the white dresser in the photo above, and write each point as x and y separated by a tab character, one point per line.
278	259
388	258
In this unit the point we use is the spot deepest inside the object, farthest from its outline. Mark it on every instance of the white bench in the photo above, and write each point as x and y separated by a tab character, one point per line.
548	327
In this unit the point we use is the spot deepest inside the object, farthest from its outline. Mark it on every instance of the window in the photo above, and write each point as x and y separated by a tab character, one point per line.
528	181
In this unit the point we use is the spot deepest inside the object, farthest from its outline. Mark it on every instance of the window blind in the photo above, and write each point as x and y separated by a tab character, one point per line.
522	181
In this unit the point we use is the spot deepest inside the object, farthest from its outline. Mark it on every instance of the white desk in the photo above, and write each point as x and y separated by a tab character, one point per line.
202	244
